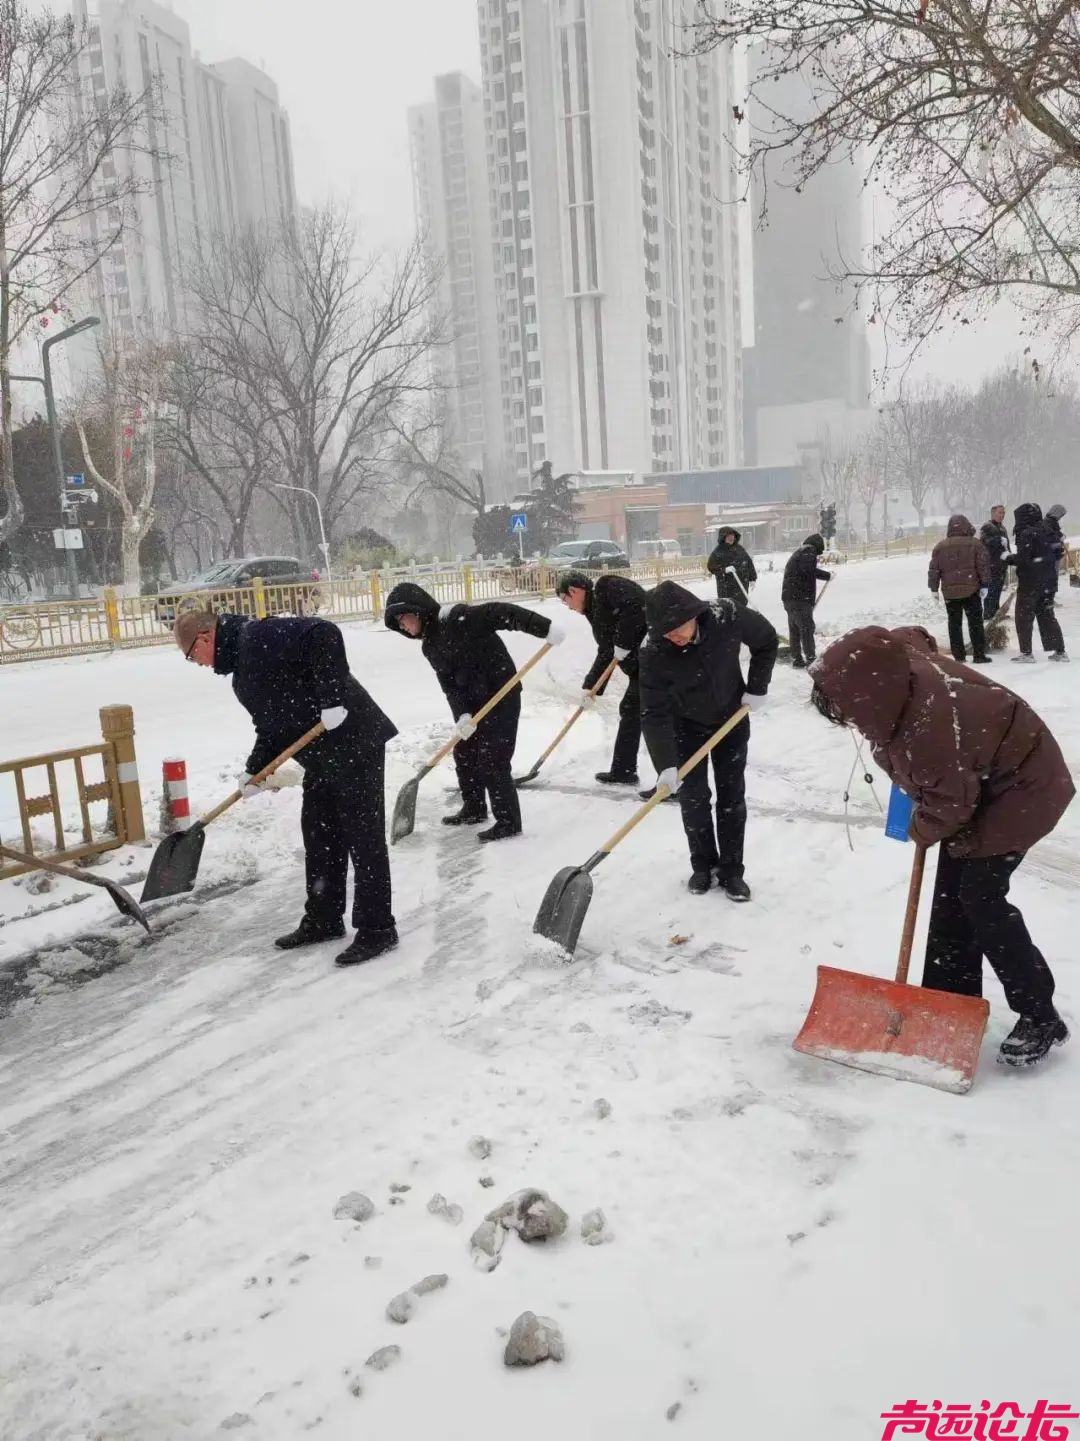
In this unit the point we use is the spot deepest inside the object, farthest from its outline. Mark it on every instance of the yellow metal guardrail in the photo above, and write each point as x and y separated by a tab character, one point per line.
33	631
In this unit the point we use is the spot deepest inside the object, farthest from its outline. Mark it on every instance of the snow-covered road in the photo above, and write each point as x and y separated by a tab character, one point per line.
796	1247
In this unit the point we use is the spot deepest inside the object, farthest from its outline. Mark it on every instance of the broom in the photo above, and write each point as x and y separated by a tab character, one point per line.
997	630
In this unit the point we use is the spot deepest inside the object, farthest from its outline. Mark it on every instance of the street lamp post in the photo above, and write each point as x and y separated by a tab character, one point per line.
324	547
58	454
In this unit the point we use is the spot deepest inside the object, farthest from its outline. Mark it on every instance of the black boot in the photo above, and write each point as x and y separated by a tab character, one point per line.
308	933
1030	1040
700	882
617	778
500	831
798	665
982	660
736	889
366	946
465	817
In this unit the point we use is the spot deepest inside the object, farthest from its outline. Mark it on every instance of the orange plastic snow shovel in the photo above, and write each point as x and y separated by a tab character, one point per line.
892	1029
578	713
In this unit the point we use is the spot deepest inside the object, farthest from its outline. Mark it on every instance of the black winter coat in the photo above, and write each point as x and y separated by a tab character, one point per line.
285	671
460	642
802	573
727	587
615	608
1036	550
996	539
701	683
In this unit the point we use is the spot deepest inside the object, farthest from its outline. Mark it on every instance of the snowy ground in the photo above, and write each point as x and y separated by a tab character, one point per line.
797	1247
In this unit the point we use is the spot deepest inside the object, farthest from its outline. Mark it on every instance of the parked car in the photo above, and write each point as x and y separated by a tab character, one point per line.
217	588
587	555
659	550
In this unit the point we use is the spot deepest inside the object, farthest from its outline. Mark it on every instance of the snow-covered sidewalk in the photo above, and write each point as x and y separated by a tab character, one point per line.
796	1247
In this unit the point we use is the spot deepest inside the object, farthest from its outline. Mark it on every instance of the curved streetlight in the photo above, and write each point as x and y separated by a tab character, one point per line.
324	547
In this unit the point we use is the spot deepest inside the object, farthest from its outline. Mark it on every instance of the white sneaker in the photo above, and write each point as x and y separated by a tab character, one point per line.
1058	655
1023	659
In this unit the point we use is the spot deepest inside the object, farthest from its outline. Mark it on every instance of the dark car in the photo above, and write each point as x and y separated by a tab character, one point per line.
587	555
290	588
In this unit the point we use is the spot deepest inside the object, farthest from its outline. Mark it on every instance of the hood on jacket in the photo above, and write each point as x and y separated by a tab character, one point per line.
916	637
867	676
410	599
1027	515
227	642
670	606
816	543
726	530
1056	512
959	525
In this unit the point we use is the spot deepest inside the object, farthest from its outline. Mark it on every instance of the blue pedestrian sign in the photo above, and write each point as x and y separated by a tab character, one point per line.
77	480
519	522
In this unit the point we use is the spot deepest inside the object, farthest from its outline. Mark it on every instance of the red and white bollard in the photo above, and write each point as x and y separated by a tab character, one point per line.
176	808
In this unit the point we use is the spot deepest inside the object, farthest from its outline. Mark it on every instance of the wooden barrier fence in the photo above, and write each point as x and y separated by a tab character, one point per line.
47	795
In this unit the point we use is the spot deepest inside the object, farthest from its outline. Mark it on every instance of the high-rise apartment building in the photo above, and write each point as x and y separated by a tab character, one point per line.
450	190
226	157
614	236
809	371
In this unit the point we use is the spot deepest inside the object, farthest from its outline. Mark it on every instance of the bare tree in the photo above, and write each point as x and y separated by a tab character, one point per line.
66	182
427	456
872	475
968	112
326	345
920	429
840	462
124	403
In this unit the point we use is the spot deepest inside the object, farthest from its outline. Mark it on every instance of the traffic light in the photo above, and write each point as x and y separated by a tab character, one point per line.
828	521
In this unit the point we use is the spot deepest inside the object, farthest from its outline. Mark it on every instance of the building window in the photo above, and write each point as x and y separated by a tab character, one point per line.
537	425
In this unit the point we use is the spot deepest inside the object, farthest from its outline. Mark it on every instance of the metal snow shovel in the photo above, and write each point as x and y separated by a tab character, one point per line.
175	865
567	898
531	775
892	1029
122	899
404	820
730	570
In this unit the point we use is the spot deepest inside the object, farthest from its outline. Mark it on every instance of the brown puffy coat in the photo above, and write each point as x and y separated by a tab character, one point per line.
984	771
960	563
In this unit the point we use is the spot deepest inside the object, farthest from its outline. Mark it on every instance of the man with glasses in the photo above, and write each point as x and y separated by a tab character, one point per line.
290	673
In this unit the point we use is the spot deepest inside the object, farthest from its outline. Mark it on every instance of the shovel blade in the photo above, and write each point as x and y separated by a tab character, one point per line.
562	911
524	780
403	822
175	865
125	902
907	1033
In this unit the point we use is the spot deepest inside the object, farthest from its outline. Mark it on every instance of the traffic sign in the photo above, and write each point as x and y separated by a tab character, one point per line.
68	539
519	522
84	497
77	480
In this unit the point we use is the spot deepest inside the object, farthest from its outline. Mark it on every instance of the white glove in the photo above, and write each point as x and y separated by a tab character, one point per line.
334	716
754	702
620	653
244	786
556	635
465	727
983	593
670	779
586	700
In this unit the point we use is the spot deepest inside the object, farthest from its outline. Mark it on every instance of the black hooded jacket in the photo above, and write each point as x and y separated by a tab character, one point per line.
287	670
460	642
727	587
802	573
615	608
701	683
1036	549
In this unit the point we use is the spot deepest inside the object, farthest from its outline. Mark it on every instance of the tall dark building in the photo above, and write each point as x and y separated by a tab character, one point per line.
810	364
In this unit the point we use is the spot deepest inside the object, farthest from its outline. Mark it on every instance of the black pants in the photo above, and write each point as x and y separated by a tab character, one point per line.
484	764
801	628
1032	606
628	738
992	604
971	606
343	817
715	846
972	917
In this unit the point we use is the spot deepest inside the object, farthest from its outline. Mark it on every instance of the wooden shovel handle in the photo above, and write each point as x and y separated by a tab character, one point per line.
609	671
489	706
907	939
824	588
36	862
662	792
267	771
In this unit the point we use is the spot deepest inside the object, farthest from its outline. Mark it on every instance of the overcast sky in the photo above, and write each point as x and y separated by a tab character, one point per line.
347	73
